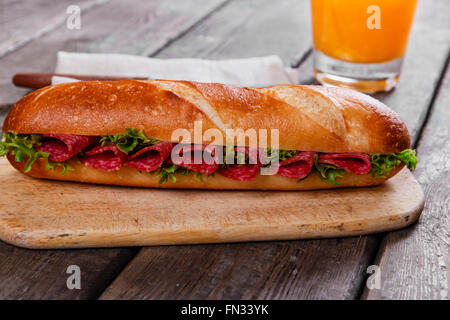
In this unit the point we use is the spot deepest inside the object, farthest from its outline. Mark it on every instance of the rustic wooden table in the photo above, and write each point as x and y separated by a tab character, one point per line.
413	262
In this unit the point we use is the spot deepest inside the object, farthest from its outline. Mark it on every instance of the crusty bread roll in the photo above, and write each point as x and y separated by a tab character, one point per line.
309	118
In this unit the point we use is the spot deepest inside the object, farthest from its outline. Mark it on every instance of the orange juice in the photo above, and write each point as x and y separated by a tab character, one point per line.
362	31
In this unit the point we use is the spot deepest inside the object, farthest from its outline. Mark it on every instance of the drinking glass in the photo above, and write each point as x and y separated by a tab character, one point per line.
360	44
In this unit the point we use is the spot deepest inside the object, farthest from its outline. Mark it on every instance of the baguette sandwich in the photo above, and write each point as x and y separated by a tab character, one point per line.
122	133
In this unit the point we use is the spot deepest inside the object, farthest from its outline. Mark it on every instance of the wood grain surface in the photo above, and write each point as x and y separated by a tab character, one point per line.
38	274
50	214
23	21
411	100
38	54
132	26
248	29
326	269
415	262
266	270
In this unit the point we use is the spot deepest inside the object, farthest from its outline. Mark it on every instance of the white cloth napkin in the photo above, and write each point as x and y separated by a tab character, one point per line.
249	72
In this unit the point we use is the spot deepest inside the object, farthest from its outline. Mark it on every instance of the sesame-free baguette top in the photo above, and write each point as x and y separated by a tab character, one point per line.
309	118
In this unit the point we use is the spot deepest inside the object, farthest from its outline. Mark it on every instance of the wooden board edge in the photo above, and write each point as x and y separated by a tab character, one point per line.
236	234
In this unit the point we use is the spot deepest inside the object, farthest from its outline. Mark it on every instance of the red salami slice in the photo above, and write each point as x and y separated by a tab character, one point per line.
243	172
184	156
150	158
108	158
358	163
62	147
298	166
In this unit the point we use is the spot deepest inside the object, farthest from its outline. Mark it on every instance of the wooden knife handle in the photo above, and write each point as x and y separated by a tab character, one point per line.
40	80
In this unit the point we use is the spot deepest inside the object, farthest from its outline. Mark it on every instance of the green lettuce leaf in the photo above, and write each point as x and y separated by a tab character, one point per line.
282	154
22	146
327	171
168	171
271	154
127	142
382	164
238	157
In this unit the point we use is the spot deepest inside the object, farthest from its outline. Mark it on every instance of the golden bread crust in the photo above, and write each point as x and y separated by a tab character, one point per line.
309	118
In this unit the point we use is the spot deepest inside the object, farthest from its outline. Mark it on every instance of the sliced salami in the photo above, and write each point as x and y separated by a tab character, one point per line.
62	147
207	160
108	158
150	158
357	163
298	166
243	172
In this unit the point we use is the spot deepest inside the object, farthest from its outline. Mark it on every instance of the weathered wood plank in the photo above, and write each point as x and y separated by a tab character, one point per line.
29	274
147	26
248	29
40	274
270	270
23	21
415	262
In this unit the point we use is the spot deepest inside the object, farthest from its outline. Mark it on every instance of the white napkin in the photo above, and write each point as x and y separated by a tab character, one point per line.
249	72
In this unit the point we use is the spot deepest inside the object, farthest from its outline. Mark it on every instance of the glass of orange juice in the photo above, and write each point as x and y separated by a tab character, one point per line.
360	44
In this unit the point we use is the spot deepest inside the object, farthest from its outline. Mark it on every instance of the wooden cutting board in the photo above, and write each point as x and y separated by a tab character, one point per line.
48	214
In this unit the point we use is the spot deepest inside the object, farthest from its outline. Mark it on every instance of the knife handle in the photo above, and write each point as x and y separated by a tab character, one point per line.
40	80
